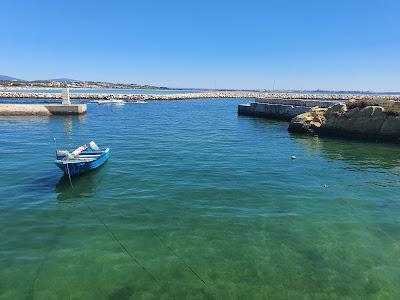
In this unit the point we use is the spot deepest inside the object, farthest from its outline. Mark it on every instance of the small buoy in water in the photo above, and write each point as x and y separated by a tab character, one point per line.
325	186
293	157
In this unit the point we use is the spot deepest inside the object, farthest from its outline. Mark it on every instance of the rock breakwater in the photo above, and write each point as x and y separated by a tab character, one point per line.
259	96
357	119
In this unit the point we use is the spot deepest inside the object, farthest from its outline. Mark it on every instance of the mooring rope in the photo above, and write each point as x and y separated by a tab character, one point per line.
177	256
173	251
124	248
69	176
162	241
134	260
121	245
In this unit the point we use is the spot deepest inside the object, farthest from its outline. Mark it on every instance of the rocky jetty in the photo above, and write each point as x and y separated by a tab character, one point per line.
377	119
259	96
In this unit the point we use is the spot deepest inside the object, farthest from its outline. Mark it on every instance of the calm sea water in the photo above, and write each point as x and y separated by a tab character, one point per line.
196	202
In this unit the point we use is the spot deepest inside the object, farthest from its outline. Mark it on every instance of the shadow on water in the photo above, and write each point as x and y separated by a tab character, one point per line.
83	186
259	121
362	154
45	183
264	125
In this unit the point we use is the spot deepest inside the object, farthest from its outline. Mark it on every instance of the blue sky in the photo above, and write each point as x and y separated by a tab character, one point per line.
332	44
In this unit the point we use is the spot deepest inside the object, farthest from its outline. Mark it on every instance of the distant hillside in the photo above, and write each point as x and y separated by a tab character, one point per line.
61	80
10	82
4	77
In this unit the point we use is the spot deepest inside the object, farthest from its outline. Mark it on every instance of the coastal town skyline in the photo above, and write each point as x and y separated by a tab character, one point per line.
10	83
288	45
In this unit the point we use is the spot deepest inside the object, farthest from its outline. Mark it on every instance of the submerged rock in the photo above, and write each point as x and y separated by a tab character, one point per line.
360	119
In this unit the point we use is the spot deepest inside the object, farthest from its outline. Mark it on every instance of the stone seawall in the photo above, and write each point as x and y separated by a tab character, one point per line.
272	111
259	96
283	109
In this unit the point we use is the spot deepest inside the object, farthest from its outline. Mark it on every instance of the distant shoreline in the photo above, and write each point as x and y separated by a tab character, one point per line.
8	88
199	90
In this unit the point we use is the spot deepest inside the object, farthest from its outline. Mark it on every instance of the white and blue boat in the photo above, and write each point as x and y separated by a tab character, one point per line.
82	159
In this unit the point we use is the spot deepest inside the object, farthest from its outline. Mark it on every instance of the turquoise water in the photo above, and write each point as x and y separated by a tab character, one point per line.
196	203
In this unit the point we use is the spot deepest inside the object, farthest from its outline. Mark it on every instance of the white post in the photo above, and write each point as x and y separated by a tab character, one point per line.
65	97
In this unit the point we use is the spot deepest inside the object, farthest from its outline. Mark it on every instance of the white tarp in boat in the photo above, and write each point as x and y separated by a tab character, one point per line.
93	146
79	150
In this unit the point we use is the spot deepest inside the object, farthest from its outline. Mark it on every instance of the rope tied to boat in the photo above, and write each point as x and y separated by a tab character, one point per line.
69	176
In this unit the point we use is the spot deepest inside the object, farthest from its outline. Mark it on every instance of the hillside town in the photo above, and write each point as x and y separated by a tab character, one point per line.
69	83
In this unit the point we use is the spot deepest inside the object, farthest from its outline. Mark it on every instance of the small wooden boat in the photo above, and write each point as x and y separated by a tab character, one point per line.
82	159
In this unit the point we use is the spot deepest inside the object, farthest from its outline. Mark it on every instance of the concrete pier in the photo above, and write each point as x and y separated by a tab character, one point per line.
282	109
41	109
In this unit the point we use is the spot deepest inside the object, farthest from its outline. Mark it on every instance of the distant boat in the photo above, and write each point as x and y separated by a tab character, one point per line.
136	102
82	159
109	101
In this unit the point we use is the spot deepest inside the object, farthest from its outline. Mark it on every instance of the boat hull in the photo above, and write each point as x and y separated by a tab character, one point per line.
78	167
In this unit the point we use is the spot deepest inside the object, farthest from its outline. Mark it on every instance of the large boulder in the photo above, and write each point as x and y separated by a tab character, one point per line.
352	119
309	121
